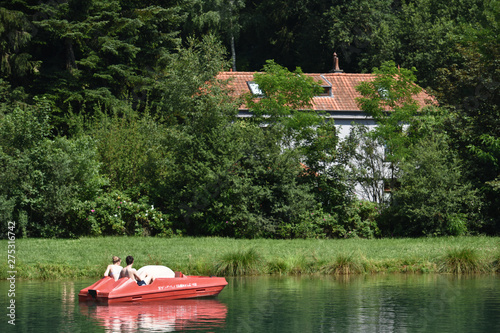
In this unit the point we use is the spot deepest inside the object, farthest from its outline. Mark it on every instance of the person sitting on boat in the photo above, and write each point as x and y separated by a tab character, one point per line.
115	269
130	272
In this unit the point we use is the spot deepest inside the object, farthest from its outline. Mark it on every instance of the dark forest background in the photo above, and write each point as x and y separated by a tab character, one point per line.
112	121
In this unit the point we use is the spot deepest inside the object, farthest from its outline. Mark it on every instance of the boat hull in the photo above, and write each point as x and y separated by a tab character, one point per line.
106	290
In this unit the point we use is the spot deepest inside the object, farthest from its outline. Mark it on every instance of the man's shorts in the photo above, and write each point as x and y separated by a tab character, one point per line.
141	283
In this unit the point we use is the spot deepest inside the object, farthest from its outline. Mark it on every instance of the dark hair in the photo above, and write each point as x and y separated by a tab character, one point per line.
129	260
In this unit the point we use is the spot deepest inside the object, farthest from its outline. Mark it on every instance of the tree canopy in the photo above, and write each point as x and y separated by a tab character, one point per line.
104	103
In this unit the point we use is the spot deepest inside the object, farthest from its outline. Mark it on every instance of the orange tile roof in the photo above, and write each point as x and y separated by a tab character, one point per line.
343	95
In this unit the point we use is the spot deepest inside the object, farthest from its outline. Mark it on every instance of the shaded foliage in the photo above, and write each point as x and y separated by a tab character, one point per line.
434	198
43	179
131	105
471	88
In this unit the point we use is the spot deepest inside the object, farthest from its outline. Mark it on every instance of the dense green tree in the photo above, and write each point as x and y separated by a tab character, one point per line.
267	193
199	141
359	30
133	153
44	179
427	30
233	181
471	87
187	79
15	33
390	100
285	100
97	53
433	198
288	32
220	17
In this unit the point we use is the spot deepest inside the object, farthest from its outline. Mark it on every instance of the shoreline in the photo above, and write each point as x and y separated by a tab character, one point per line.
53	259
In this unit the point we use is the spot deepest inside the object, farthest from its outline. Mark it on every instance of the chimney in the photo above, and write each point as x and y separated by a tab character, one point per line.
336	68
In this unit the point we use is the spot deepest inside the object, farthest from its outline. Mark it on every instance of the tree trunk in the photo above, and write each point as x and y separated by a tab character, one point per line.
233	53
70	55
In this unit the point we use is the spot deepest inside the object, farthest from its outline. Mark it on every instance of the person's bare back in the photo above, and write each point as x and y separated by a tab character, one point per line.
130	272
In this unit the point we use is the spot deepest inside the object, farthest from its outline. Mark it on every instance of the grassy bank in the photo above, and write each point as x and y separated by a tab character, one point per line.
88	257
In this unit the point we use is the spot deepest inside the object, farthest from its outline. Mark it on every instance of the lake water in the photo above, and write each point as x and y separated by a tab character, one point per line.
381	303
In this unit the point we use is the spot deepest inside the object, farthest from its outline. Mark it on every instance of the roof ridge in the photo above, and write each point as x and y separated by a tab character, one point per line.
329	74
237	73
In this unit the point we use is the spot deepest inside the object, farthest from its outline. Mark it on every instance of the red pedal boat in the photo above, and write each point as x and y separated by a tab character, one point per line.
165	286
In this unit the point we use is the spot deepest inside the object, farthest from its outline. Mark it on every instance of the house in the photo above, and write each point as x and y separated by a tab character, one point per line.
338	101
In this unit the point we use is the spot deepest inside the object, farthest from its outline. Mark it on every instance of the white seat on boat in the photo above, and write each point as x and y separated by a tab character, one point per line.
157	271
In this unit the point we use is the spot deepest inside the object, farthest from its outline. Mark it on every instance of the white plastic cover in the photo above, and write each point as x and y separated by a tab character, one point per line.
157	271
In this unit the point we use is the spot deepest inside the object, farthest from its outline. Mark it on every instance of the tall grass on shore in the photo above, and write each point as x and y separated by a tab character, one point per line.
462	261
238	263
496	264
88	257
345	264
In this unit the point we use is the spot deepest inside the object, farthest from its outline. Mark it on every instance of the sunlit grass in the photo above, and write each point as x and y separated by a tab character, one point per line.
88	257
242	262
345	264
496	264
463	261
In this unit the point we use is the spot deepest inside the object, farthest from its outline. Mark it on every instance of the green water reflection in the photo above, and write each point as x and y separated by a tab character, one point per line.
382	303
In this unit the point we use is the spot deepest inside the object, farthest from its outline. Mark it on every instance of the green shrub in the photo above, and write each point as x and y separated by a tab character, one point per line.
315	224
133	150
44	178
434	198
116	214
457	224
356	219
360	219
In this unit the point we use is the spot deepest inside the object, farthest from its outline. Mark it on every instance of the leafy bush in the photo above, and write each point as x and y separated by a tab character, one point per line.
43	179
133	152
361	219
358	219
234	182
24	127
434	199
116	214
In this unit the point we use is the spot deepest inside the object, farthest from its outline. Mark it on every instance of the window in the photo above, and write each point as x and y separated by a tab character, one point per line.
254	88
384	93
327	91
327	87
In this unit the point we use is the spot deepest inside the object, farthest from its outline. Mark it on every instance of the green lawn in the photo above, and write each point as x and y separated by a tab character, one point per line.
88	257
